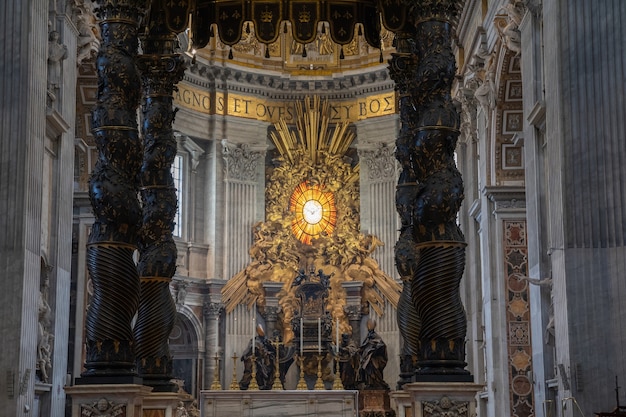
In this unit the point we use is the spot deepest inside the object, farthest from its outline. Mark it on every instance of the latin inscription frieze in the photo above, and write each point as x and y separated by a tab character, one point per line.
250	107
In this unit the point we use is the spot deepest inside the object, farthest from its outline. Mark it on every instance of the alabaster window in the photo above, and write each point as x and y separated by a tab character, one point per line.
315	212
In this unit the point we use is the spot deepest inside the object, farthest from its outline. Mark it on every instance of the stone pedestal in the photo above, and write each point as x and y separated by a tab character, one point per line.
375	403
120	400
164	404
429	399
401	403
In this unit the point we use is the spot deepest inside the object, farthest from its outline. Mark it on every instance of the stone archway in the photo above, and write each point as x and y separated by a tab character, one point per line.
186	351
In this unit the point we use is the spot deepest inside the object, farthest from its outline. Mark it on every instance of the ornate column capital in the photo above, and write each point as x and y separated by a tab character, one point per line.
240	161
210	310
468	106
380	162
442	10
270	313
353	312
124	11
161	73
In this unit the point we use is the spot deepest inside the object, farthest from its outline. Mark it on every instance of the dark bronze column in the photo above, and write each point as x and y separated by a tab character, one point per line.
161	69
402	70
430	131
113	195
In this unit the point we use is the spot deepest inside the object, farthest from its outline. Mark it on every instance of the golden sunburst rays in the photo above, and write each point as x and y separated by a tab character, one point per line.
313	135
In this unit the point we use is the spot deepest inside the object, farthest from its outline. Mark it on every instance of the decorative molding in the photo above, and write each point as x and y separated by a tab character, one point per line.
506	197
195	151
518	317
293	88
103	408
474	210
537	116
56	124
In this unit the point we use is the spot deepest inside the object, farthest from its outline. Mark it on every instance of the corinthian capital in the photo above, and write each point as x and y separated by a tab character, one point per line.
240	162
212	310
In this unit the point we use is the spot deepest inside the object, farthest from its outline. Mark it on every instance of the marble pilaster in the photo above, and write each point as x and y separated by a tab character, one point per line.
22	133
242	165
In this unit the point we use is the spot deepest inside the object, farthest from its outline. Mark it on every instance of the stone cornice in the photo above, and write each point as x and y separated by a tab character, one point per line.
287	87
506	197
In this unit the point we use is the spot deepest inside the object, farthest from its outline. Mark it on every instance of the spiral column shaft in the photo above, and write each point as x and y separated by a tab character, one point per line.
113	196
430	253
161	70
402	69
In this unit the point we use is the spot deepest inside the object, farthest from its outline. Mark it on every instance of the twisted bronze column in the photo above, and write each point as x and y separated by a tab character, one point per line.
113	195
437	257
402	69
161	68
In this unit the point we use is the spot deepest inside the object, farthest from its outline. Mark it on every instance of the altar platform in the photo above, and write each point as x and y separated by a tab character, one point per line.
279	403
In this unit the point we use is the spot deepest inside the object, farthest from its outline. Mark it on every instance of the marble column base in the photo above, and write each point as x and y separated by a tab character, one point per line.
428	399
120	400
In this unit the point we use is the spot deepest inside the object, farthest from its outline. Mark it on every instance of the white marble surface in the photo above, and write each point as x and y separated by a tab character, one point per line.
290	403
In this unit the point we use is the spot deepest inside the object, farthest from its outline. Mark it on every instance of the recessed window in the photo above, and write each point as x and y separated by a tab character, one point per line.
177	174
